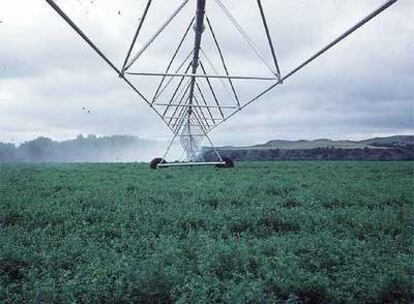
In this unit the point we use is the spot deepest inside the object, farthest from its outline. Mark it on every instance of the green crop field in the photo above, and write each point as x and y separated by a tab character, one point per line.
283	232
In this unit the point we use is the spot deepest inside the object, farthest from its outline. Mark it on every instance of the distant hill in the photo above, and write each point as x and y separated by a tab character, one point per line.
393	141
387	148
373	143
310	144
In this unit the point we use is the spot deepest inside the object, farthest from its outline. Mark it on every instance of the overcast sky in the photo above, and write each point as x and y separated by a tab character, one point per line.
52	84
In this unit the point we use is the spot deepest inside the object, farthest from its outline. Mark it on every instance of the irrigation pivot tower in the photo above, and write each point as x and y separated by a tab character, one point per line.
191	142
194	107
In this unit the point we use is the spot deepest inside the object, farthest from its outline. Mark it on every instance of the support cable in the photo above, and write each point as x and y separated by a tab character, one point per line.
180	102
213	34
176	91
134	40
173	58
182	116
99	52
202	113
180	108
204	101
269	38
245	35
223	84
316	55
212	90
180	93
172	78
152	39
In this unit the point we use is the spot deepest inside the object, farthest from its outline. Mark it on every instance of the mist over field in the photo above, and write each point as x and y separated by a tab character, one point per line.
126	148
83	149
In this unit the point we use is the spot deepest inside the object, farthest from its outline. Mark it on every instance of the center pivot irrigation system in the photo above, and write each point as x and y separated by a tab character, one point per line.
195	108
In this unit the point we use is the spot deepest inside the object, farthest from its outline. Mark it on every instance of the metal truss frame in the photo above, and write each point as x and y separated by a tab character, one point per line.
195	109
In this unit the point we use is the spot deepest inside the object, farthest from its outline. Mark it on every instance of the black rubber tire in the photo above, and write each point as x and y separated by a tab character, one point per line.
229	163
155	162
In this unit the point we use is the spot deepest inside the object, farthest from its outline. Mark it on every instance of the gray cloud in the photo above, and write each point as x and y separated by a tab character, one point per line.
49	79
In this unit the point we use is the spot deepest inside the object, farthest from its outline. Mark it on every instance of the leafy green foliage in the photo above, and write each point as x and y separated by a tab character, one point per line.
291	232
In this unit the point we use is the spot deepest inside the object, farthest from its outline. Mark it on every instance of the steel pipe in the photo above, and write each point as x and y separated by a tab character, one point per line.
194	106
202	76
152	39
191	164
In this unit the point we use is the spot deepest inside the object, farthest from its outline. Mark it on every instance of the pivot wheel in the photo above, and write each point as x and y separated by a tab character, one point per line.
157	161
228	163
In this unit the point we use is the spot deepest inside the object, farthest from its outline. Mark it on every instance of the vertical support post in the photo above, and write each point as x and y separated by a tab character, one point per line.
199	29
